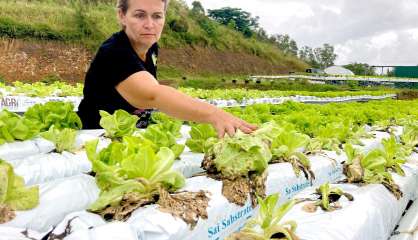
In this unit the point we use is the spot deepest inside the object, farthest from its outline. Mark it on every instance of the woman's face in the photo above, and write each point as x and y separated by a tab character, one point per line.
143	21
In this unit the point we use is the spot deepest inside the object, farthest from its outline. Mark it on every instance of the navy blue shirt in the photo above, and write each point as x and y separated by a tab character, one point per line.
114	62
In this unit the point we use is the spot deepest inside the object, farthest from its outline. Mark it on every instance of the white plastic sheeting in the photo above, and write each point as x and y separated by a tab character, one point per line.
338	70
21	149
37	168
189	163
224	217
297	98
413	159
282	179
57	199
372	215
372	143
22	103
11	233
42	168
150	223
408	226
87	226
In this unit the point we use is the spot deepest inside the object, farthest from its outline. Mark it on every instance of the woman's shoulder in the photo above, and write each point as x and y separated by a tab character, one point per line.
117	43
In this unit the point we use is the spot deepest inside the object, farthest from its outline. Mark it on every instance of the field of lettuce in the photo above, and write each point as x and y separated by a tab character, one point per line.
19	97
337	170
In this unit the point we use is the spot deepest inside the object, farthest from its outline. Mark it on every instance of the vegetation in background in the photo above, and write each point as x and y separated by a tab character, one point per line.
91	22
361	69
320	57
236	19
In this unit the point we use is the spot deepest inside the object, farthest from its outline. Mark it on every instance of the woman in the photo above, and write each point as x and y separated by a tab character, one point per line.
123	75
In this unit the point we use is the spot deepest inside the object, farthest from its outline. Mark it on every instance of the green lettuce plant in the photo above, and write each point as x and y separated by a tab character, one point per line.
269	131
64	139
119	124
126	172
162	138
327	198
409	138
199	134
14	196
318	144
14	127
59	114
394	155
268	223
167	123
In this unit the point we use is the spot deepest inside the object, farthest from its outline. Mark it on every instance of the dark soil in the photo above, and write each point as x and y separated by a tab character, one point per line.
34	60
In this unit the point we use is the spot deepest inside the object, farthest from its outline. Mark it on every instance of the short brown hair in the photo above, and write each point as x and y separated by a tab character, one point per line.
123	5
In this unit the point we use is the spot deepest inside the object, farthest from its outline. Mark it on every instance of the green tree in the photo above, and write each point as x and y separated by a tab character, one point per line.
325	55
262	35
197	8
243	20
390	73
307	55
286	44
361	69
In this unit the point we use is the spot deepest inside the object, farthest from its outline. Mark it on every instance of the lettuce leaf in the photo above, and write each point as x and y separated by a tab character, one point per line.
13	192
59	114
14	127
237	156
63	139
163	138
199	134
132	165
118	124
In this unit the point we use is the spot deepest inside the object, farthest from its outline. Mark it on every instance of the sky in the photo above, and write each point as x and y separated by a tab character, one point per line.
377	32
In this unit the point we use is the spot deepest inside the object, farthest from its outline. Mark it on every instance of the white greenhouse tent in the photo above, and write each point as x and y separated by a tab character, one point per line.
337	70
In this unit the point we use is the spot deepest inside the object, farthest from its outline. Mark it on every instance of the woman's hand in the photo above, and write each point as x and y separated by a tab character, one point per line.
141	90
225	122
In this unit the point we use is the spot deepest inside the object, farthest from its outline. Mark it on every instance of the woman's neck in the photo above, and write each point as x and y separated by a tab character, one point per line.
140	50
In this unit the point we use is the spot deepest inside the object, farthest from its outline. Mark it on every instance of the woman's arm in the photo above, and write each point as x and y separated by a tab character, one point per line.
141	90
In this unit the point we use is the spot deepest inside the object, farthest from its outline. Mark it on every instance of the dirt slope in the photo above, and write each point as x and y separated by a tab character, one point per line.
29	60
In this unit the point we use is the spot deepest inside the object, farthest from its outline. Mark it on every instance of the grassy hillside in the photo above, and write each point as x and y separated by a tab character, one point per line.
89	22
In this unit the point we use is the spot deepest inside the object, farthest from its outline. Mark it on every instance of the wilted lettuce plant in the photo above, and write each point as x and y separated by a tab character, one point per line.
288	147
369	168
327	198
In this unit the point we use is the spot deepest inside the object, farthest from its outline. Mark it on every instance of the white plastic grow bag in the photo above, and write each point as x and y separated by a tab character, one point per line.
11	233
372	215
57	199
87	226
21	149
189	163
225	217
42	168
